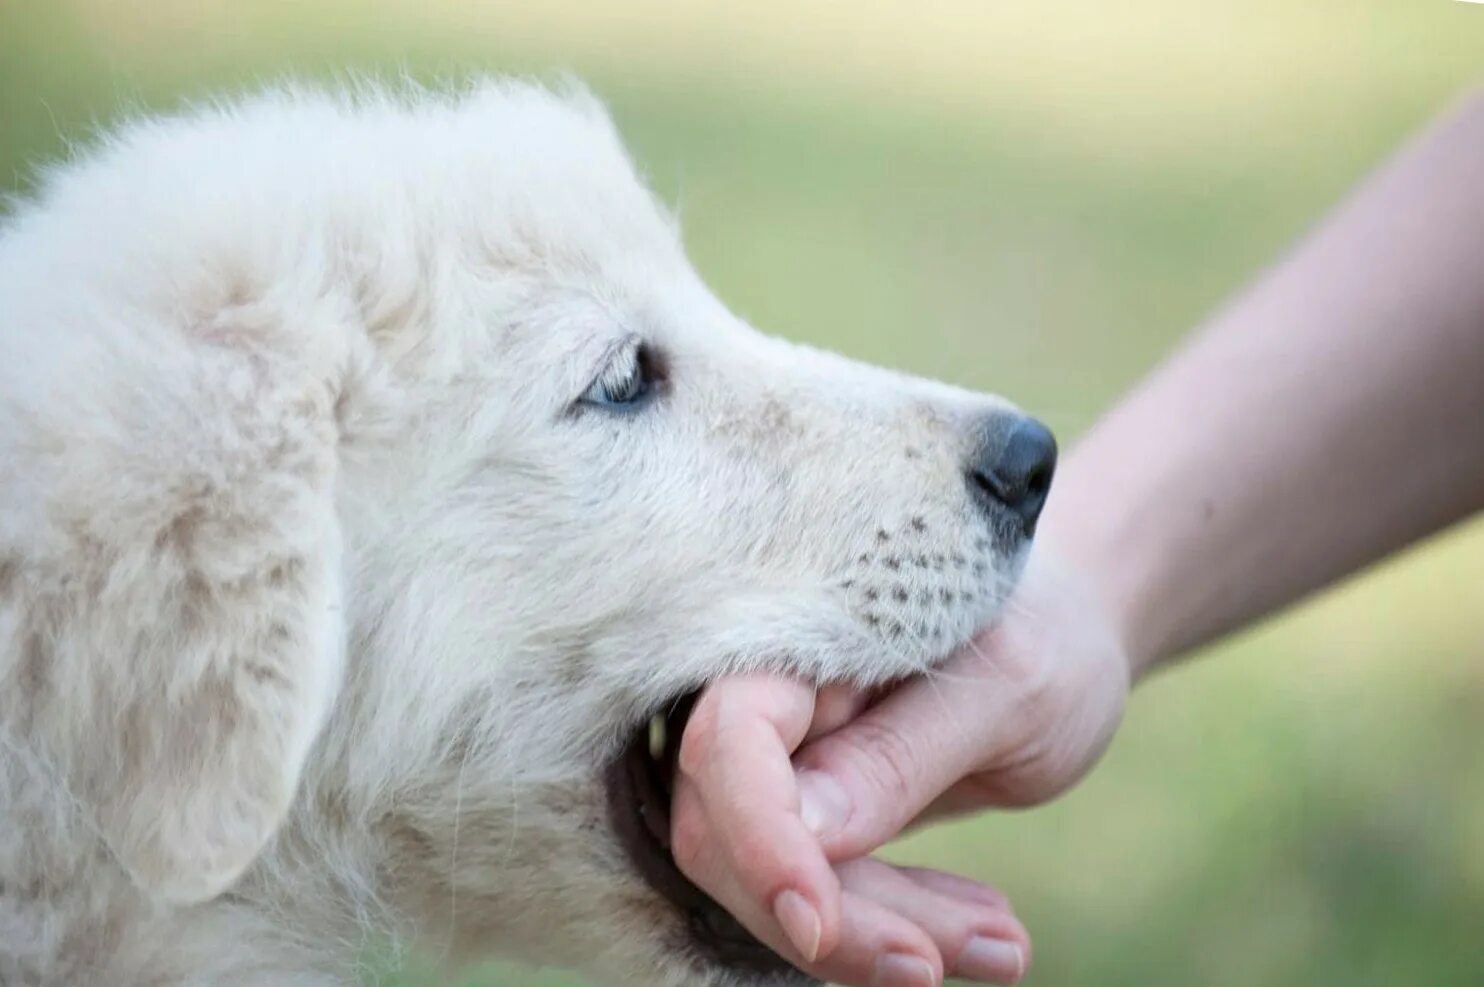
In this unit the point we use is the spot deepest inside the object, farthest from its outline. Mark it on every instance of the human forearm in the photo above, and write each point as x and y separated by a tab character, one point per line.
1332	414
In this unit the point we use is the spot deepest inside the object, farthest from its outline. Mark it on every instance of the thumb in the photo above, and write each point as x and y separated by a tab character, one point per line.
863	784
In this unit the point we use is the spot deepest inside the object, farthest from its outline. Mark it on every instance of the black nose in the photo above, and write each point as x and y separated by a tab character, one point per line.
1013	467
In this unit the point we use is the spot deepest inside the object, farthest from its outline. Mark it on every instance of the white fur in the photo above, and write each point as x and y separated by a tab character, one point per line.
323	604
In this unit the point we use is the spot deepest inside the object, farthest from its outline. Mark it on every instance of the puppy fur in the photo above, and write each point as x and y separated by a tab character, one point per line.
325	598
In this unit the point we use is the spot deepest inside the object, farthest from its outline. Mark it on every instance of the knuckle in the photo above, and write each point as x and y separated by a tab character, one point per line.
763	871
884	758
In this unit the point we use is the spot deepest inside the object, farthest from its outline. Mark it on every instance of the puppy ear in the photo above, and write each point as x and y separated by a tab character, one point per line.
214	646
209	758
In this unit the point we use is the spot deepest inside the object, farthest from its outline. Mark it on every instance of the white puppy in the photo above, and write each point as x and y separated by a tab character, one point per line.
372	469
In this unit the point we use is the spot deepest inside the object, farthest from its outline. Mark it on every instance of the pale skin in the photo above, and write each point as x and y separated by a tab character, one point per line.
1332	414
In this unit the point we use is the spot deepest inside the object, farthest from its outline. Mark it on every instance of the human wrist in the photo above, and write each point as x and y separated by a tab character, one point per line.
1099	543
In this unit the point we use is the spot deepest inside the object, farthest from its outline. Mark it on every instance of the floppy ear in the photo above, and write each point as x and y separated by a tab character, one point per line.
215	646
211	770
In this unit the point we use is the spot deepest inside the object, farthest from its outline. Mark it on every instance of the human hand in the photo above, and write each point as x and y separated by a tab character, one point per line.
1012	720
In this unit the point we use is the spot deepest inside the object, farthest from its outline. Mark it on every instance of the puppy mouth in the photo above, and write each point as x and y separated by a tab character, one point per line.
641	784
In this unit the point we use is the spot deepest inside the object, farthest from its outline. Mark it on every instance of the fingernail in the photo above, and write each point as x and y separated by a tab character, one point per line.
900	970
991	959
800	923
822	803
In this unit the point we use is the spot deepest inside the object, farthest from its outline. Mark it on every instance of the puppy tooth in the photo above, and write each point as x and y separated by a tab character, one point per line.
656	737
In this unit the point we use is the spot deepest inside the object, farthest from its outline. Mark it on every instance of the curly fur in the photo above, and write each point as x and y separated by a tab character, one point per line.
324	602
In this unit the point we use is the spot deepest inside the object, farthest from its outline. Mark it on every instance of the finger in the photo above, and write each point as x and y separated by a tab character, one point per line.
862	784
708	865
976	934
956	886
879	948
736	829
835	706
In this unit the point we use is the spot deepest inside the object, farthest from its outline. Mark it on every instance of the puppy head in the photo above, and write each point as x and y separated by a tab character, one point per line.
569	486
608	490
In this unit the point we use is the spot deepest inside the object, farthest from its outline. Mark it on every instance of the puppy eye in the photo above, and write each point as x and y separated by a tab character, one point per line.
625	384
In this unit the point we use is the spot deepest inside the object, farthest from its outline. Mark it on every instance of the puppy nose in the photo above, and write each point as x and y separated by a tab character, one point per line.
1013	467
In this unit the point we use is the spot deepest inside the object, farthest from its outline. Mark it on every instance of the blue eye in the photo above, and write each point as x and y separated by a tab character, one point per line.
624	384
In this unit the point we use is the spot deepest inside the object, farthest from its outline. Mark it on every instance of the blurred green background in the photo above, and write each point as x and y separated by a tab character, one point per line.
1037	199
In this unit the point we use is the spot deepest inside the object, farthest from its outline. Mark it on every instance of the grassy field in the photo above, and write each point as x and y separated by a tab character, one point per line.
1037	199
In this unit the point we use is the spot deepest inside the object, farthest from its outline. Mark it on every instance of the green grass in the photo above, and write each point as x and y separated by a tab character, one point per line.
1302	806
